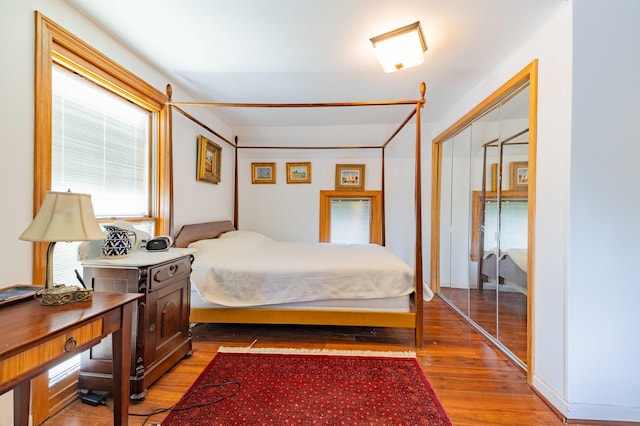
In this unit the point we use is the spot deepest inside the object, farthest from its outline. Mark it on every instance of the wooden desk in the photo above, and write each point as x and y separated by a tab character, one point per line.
34	338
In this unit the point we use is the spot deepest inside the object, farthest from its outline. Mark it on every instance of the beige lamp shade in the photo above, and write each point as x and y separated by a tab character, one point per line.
400	48
64	216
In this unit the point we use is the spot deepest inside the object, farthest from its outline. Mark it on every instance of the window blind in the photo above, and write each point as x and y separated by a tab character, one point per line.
350	220
100	146
513	224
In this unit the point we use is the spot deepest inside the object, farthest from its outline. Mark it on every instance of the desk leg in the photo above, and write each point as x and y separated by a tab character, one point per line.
121	345
21	396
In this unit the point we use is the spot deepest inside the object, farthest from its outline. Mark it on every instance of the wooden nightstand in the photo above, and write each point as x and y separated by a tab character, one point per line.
160	326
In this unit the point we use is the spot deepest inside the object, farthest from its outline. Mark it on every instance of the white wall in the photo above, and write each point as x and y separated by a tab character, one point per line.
16	143
603	371
199	201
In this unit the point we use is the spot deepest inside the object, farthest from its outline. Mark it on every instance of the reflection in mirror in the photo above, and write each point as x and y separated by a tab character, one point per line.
457	222
446	164
486	129
481	213
512	209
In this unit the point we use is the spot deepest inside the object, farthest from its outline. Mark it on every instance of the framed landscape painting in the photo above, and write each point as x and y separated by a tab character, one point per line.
298	172
263	172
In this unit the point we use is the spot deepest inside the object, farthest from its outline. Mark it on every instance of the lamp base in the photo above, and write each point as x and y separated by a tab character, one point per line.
61	295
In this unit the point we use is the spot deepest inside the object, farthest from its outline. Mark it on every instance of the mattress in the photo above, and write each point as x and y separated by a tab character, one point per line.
390	304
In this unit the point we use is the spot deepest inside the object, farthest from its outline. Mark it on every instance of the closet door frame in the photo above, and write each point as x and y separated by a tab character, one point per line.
528	73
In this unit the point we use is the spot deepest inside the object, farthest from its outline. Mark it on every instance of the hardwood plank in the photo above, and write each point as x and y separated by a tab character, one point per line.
476	383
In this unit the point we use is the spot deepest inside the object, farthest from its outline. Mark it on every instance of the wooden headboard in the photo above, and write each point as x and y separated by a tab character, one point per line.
201	231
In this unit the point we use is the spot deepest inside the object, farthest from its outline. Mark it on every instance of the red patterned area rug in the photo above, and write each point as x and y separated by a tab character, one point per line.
254	386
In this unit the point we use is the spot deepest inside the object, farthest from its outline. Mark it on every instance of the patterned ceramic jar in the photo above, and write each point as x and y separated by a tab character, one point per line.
119	242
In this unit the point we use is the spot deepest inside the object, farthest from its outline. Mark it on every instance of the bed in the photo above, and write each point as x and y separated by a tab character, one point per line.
512	268
230	264
403	310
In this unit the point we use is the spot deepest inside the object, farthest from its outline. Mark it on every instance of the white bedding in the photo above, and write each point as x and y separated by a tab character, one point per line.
518	255
244	268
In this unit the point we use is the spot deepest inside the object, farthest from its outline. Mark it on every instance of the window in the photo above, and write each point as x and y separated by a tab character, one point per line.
351	216
101	146
101	130
513	224
513	221
350	220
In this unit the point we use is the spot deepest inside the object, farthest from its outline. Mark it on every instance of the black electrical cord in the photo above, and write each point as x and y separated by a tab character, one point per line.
186	396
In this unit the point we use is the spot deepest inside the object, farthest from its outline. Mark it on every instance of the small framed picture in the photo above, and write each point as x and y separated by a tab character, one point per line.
263	172
209	158
494	177
350	177
519	175
298	172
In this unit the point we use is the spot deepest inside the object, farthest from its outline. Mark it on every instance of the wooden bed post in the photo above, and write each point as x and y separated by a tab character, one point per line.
235	186
419	331
384	213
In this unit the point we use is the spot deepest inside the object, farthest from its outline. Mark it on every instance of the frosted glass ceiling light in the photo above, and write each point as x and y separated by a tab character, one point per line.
400	48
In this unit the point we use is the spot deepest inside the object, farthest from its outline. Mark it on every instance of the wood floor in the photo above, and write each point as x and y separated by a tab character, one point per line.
509	325
476	383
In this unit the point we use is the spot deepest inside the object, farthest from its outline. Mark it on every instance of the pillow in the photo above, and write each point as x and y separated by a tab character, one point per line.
246	235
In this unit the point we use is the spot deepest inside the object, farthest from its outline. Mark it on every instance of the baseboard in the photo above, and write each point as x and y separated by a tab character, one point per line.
614	414
585	413
550	397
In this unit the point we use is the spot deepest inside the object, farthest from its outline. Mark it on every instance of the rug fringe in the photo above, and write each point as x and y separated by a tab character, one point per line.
312	351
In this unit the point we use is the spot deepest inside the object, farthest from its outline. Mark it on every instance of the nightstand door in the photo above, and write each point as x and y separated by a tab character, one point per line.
169	319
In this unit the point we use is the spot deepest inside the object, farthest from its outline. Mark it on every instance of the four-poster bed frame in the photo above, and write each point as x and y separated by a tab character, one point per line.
190	233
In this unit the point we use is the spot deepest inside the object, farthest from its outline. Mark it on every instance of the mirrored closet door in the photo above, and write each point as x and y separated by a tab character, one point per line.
481	214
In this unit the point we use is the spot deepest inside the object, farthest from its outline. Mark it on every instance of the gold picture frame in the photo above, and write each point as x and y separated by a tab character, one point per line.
519	175
494	176
263	172
350	177
209	160
298	172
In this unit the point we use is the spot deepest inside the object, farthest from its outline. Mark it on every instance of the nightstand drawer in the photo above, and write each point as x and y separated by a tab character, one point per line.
167	272
49	350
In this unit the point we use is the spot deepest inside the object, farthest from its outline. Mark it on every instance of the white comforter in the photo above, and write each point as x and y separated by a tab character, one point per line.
519	256
244	268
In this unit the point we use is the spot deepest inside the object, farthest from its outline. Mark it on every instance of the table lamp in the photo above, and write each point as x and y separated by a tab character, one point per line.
63	216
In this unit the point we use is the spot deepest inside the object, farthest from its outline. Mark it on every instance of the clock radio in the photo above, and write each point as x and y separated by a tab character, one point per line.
159	244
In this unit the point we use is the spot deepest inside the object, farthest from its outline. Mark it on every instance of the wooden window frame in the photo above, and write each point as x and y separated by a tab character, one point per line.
375	224
55	45
476	215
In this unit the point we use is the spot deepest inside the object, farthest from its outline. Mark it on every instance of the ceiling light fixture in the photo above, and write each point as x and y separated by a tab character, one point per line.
401	48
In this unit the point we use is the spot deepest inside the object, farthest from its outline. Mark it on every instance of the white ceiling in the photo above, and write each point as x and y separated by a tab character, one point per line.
310	51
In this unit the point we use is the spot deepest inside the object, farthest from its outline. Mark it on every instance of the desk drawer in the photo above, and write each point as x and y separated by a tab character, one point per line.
49	350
